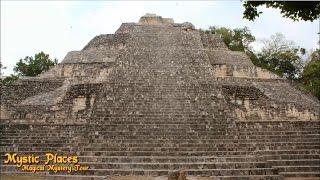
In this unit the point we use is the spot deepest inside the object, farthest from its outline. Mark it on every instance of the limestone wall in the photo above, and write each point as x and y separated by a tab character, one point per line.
255	104
12	95
68	105
15	93
221	56
211	41
262	111
92	70
4	113
285	92
242	71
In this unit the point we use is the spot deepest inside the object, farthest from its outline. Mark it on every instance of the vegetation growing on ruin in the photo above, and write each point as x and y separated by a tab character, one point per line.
310	78
30	66
236	39
281	57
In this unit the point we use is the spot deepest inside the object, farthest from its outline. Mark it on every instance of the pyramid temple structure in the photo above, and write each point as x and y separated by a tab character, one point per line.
158	97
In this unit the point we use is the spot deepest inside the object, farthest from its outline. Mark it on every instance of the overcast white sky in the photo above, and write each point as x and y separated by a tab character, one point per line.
57	27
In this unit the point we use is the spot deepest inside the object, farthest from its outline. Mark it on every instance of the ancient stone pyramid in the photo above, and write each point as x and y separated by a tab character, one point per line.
159	96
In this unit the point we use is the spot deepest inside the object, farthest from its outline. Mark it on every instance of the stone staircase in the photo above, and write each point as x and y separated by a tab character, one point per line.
274	151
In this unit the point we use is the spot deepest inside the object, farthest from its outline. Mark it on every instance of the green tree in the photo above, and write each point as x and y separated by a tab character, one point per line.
32	66
281	56
295	10
236	39
310	77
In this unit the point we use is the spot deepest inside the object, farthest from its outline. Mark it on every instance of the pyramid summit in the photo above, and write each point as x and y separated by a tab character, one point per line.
153	19
158	96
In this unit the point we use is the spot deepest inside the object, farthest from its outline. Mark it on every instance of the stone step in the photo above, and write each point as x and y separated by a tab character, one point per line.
247	125
207	141
298	168
181	135
275	125
294	162
162	149
159	172
276	132
217	148
164	118
147	124
88	177
302	178
248	177
300	174
166	127
40	175
217	118
291	156
156	125
41	141
284	152
176	135
193	135
18	149
154	132
153	129
158	145
206	172
145	153
159	140
165	159
201	128
179	159
173	166
182	153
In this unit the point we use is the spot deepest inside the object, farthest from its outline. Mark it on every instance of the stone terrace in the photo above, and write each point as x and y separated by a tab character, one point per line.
157	97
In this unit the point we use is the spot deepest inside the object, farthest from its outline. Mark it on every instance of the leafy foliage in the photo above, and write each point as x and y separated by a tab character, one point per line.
282	64
296	10
9	80
281	56
310	77
32	66
235	39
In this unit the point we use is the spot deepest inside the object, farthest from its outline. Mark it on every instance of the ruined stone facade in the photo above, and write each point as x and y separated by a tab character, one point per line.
158	96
